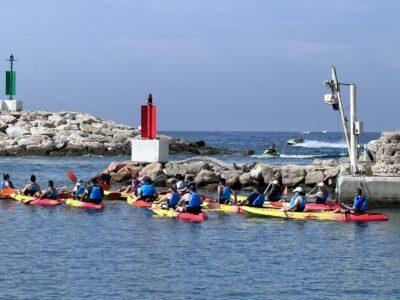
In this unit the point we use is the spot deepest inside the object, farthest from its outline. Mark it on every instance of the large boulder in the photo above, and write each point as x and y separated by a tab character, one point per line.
293	175
172	169
232	177
42	131
194	168
313	176
8	119
205	177
152	170
245	180
16	132
122	175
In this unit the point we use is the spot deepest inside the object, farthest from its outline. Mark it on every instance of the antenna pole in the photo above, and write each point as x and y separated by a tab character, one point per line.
353	137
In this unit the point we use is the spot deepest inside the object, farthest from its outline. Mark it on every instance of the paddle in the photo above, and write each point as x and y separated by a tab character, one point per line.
285	192
266	190
72	176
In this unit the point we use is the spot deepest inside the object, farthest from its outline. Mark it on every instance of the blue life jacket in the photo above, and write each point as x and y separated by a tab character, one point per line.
53	194
81	190
226	194
195	200
34	188
360	203
95	193
174	199
259	201
302	203
147	190
325	196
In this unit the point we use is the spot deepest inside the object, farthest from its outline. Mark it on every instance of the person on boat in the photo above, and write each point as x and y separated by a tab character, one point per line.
224	192
93	193
359	205
147	191
171	199
181	184
32	188
298	201
274	193
50	192
255	199
321	196
79	189
105	182
7	183
191	201
135	184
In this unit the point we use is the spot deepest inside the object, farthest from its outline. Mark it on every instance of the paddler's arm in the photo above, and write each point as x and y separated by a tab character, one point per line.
290	208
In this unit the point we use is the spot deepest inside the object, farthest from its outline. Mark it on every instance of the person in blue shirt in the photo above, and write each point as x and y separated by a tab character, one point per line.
321	196
171	199
191	201
7	183
359	205
298	201
32	188
255	199
147	191
50	192
224	193
93	193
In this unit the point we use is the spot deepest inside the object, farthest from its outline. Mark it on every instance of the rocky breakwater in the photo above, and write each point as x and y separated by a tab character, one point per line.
41	133
387	159
207	171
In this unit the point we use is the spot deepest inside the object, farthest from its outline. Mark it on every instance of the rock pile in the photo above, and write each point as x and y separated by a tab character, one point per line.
207	172
41	133
388	155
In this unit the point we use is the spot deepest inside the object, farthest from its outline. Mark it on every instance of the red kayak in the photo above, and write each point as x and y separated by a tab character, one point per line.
366	217
192	217
45	202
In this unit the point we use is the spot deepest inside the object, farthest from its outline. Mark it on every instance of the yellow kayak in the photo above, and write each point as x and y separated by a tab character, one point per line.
323	215
180	215
21	198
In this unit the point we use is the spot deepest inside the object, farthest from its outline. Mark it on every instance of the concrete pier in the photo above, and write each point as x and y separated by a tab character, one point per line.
379	189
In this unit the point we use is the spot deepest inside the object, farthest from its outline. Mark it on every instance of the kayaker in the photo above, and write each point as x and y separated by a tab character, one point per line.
224	192
50	192
181	184
80	188
359	205
135	184
147	192
105	182
171	199
255	199
274	193
321	196
191	201
32	188
93	193
298	201
7	183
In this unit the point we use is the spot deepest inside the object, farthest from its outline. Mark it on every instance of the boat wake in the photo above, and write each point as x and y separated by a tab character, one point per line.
319	144
297	156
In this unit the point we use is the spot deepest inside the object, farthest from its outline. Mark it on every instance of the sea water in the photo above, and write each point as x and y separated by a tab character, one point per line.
126	253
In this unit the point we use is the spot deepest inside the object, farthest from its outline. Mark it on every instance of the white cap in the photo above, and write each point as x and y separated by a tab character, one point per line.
298	190
321	184
275	182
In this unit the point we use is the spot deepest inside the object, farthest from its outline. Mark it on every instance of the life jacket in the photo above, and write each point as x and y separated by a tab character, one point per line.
226	194
34	187
194	200
80	190
53	193
324	197
302	203
259	201
174	199
147	190
96	193
360	204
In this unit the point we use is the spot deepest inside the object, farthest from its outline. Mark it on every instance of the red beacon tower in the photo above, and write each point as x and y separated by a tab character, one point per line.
149	120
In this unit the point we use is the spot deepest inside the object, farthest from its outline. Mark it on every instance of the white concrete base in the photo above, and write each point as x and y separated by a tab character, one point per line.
150	150
379	189
10	105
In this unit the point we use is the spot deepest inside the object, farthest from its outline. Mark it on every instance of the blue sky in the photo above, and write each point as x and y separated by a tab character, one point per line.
211	65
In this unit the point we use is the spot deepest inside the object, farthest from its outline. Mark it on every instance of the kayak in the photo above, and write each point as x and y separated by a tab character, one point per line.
21	198
138	203
87	205
324	215
45	202
180	215
6	193
226	208
329	206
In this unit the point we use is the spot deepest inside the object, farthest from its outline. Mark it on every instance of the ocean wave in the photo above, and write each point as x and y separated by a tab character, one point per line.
320	144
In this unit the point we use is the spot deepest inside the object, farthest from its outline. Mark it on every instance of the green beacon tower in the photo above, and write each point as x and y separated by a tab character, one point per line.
11	79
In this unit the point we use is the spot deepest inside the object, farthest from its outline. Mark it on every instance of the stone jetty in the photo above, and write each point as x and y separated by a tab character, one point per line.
41	133
206	172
